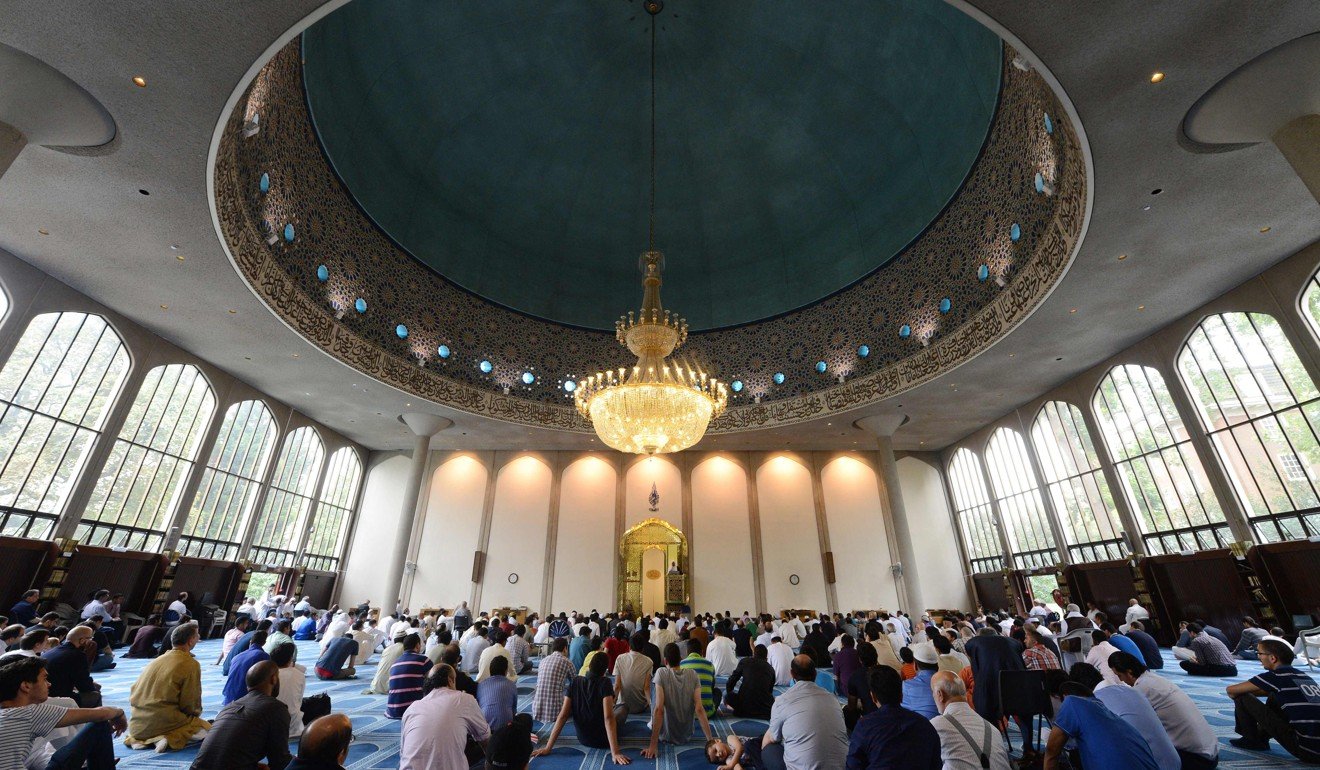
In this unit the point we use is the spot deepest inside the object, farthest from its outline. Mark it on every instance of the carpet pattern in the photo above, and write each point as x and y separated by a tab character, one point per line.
376	744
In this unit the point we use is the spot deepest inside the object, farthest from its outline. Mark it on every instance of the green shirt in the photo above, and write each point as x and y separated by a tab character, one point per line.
705	671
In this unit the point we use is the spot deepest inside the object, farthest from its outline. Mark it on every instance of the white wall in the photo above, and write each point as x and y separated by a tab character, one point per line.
449	533
857	536
373	539
939	567
517	535
585	548
789	540
722	576
668	482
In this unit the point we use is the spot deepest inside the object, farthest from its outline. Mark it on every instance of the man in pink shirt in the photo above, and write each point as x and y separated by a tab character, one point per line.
443	730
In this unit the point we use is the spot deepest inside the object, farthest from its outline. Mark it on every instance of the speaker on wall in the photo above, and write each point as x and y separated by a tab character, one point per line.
828	557
478	565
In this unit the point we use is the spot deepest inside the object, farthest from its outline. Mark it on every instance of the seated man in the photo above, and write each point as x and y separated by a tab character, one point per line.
244	642
710	694
25	716
1290	713
283	633
1251	635
916	691
1102	739
677	700
24	612
1132	707
552	678
1150	649
806	725
67	669
443	729
1193	737
166	699
406	677
497	694
590	701
966	740
241	625
750	691
236	683
304	628
337	660
892	731
293	683
254	727
1204	655
632	681
380	683
325	744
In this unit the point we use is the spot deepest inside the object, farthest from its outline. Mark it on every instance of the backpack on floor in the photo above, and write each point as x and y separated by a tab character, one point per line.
314	707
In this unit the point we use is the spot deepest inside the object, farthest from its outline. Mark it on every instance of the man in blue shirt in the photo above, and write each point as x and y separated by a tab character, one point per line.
578	649
497	694
304	628
337	660
236	684
25	611
1123	643
1290	713
1104	741
893	735
243	643
1150	649
916	691
406	677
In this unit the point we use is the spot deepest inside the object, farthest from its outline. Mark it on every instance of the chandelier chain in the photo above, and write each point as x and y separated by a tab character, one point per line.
650	240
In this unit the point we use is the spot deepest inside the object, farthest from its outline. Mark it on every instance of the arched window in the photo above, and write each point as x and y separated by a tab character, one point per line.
56	389
140	484
1020	503
333	510
1162	477
230	483
289	499
1077	484
1260	409
972	507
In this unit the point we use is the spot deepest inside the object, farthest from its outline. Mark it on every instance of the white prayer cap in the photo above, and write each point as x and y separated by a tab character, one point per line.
925	653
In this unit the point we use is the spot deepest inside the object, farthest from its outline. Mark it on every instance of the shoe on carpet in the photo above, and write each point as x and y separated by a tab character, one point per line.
1250	744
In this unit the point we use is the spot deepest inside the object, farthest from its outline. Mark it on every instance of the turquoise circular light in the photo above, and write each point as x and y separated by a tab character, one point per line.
569	386
1040	183
528	378
322	273
402	331
1049	124
485	367
736	386
863	351
946	305
1015	232
288	232
778	378
905	331
360	305
264	183
443	351
982	272
821	366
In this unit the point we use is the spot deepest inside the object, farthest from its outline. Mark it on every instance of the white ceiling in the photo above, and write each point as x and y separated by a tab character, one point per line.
1199	238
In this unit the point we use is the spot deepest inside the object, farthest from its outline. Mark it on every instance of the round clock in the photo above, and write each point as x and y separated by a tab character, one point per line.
513	577
794	579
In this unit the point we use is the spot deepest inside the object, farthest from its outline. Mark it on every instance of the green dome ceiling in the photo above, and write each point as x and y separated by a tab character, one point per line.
504	144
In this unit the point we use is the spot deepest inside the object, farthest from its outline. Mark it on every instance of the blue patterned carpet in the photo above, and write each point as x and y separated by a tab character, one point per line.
377	738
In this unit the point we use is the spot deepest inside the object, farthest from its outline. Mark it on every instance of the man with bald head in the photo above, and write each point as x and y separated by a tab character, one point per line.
324	744
964	736
806	725
251	728
69	671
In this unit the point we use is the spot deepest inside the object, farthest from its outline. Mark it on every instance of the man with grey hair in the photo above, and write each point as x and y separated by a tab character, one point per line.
966	740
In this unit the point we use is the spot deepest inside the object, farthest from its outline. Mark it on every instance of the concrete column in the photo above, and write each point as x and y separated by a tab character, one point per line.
1299	141
751	462
883	427
424	426
12	143
822	529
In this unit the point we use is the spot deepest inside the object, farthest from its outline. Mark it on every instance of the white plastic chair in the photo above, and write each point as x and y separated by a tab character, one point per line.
1083	635
1311	646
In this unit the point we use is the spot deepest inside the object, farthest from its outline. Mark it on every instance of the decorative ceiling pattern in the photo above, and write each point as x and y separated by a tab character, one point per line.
797	150
979	269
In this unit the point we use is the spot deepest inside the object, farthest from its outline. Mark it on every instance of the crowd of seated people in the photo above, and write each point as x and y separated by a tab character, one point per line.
923	689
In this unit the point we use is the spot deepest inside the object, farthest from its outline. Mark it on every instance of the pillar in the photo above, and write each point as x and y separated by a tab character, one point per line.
883	427
423	426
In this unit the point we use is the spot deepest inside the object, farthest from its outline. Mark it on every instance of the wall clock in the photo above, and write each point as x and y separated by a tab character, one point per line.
513	577
794	579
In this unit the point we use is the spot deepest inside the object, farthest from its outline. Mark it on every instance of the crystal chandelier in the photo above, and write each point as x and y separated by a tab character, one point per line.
656	406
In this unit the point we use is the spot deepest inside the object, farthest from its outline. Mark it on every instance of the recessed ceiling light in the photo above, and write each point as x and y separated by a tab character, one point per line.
1156	77
144	191
1265	229
164	307
232	311
174	247
1060	358
1122	257
1141	307
247	358
179	257
1157	191
43	231
1145	208
1073	310
295	355
139	81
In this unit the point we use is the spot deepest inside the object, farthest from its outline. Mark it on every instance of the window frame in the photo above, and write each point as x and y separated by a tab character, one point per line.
978	521
329	562
1088	481
1016	500
262	548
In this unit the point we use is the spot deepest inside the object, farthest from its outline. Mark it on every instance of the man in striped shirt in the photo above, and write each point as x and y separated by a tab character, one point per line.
710	694
406	677
552	678
1290	713
1037	656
